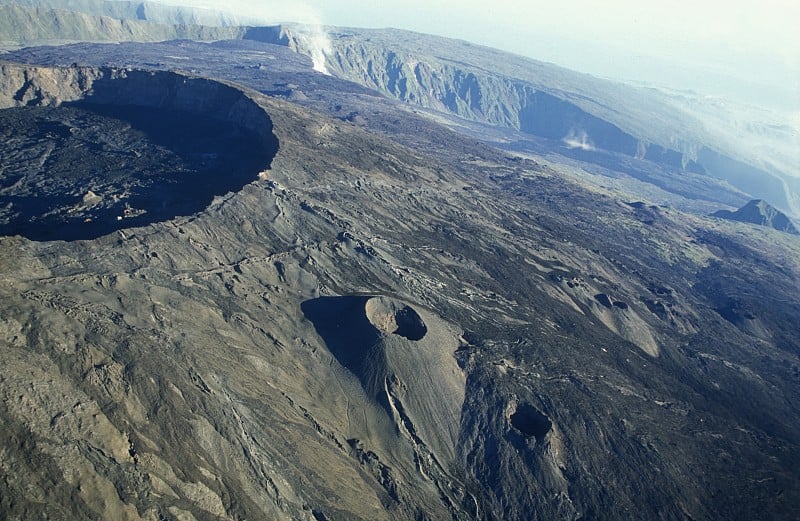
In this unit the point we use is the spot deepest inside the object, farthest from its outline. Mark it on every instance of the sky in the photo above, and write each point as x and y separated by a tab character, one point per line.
693	44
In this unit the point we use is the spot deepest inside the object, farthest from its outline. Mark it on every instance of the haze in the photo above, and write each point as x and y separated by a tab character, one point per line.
749	50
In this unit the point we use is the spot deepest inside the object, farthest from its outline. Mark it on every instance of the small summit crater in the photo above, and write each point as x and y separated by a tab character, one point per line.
390	316
410	324
604	300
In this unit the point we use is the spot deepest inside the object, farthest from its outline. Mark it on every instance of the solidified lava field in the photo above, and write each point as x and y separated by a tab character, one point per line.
81	171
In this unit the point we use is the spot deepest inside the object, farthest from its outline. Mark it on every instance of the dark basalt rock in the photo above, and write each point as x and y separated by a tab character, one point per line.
528	420
604	300
138	165
99	150
656	307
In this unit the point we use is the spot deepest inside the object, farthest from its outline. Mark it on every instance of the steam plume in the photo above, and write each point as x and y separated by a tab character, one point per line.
315	41
311	35
579	139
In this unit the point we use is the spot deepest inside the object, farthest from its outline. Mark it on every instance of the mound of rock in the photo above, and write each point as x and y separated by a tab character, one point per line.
404	358
760	213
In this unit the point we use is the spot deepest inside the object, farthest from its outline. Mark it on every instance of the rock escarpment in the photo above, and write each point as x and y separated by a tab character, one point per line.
590	117
156	12
29	85
23	25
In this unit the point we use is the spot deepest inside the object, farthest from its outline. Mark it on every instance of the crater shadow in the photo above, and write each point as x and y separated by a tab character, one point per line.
390	316
529	421
345	329
410	324
87	170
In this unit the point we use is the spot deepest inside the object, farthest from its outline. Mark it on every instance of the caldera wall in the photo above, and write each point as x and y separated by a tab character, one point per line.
23	85
109	149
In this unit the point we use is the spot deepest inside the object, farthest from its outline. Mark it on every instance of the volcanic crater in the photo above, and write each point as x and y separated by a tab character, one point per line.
93	151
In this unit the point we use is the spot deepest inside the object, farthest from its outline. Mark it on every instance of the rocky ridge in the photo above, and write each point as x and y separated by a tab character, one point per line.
591	116
22	25
544	100
156	12
760	213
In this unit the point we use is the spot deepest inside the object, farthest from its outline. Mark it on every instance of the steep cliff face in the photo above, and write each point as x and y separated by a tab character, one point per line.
22	85
480	95
37	24
471	90
544	100
158	13
27	25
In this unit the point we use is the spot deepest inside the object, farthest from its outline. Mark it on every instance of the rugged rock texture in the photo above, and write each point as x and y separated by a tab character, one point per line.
597	120
373	332
583	112
127	148
760	213
40	86
135	10
278	71
25	25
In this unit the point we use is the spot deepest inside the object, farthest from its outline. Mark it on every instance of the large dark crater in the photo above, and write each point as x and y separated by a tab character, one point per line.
131	148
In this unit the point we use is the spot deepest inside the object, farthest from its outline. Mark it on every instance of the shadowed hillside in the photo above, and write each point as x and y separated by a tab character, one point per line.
339	305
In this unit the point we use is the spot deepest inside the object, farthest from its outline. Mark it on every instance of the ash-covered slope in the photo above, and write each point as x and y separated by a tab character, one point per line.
373	332
760	213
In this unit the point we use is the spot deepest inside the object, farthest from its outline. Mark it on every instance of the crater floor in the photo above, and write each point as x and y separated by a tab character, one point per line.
81	171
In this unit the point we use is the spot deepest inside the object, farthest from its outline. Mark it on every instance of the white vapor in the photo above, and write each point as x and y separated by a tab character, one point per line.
579	139
318	44
311	35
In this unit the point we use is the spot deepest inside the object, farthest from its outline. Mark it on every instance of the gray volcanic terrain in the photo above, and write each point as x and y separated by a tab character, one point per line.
702	146
236	288
760	213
